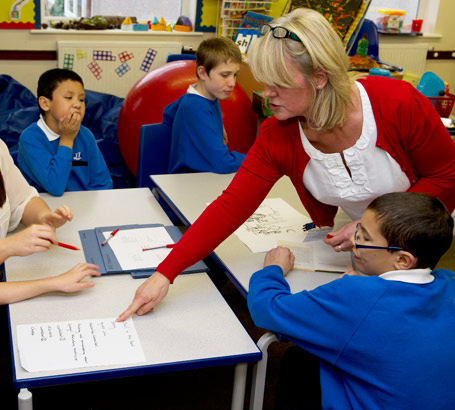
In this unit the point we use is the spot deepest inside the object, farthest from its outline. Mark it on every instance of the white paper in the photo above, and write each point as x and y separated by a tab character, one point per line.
127	246
274	220
318	256
78	343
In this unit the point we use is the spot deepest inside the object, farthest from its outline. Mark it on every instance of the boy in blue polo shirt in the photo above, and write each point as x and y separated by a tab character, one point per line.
57	153
383	338
198	136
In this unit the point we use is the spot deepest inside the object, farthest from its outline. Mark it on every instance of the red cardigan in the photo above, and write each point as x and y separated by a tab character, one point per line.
409	129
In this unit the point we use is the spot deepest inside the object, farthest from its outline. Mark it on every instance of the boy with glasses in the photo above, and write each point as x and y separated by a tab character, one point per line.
382	338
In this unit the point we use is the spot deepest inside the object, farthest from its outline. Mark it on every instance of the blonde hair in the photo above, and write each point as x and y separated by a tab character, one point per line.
320	48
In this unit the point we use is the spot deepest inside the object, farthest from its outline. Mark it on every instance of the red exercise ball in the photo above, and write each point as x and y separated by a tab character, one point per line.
147	99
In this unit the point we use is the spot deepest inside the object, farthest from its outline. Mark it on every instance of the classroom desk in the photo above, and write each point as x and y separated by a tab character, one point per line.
188	195
192	328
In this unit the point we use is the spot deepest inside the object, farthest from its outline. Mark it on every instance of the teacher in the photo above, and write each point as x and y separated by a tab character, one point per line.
343	140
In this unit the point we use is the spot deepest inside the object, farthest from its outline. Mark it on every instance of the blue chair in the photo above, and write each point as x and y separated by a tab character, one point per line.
370	29
153	159
176	57
154	151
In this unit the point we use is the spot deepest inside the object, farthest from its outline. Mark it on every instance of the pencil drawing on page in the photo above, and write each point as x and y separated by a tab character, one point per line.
274	219
267	221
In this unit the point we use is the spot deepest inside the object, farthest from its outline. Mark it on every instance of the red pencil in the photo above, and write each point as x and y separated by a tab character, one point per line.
171	245
111	235
65	245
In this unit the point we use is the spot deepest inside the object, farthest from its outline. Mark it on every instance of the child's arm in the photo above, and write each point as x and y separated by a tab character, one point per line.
100	178
40	164
67	282
198	135
282	257
37	212
35	238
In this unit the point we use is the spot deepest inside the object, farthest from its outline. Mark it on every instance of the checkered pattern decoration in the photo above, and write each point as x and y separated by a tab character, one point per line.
124	56
122	69
80	54
148	60
113	67
95	69
68	61
103	55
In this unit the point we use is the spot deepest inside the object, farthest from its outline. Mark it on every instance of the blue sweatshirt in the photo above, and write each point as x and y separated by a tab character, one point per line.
383	344
55	168
197	137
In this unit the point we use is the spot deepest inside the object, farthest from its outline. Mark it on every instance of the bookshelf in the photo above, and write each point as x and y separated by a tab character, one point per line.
232	14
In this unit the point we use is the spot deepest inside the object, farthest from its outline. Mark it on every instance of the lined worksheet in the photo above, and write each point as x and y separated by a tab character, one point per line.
78	343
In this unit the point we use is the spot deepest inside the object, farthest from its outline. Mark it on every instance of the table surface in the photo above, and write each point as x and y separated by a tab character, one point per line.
189	194
192	327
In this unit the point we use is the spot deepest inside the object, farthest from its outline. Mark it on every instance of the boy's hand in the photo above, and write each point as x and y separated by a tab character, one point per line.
350	272
71	281
58	218
69	126
225	137
282	257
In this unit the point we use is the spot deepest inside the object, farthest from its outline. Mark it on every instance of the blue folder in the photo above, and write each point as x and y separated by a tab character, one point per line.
104	257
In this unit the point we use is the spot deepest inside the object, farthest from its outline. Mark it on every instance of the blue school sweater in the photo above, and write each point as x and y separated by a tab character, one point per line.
197	137
55	168
383	344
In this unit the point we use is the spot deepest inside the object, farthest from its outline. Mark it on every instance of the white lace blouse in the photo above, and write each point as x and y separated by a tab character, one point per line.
373	171
18	193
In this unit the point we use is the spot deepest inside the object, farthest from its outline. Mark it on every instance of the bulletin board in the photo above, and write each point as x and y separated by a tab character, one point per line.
206	16
20	14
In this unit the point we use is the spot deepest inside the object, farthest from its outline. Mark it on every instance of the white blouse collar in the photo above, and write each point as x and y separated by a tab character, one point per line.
417	276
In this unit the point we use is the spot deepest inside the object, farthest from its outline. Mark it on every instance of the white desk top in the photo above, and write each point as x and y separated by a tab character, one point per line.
189	195
192	324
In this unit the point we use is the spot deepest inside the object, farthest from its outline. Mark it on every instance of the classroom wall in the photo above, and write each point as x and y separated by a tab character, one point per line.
27	72
445	26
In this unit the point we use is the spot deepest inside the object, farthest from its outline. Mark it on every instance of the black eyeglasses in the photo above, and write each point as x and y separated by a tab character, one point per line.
389	248
279	32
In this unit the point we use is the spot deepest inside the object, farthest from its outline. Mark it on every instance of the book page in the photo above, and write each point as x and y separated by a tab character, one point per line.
317	256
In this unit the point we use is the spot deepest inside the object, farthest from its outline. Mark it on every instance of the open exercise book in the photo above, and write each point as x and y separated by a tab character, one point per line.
124	252
317	256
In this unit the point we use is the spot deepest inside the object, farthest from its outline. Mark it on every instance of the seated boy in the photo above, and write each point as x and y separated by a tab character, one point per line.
57	153
385	338
198	136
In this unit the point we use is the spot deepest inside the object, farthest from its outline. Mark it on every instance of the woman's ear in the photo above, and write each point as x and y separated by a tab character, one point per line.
405	261
320	79
43	103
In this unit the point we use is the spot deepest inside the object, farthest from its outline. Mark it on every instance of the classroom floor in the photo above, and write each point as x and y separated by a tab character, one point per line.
202	389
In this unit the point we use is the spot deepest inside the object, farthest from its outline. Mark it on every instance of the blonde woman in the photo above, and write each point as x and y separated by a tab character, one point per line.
341	139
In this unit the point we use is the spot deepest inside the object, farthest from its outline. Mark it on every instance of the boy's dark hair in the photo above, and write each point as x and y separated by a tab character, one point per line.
417	222
214	51
50	80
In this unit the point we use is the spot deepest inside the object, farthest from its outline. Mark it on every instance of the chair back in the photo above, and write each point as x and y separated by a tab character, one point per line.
176	57
154	151
370	29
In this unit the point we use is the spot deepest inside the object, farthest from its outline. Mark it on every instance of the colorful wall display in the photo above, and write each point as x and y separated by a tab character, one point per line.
20	14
